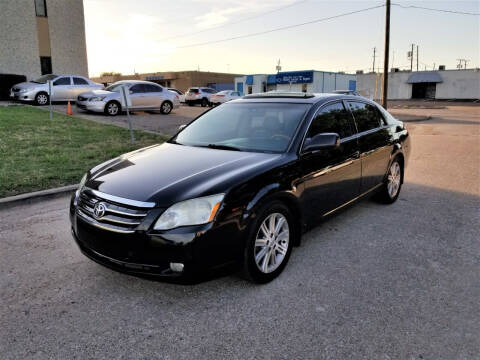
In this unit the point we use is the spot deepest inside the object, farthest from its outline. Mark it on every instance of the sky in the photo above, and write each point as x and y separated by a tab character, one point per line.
142	36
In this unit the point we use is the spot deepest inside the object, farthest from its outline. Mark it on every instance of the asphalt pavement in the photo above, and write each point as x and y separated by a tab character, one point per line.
376	281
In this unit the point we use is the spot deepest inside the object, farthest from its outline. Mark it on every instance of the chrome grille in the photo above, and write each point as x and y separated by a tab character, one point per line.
119	216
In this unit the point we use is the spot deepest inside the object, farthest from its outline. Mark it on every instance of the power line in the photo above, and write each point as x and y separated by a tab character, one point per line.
438	10
235	22
282	28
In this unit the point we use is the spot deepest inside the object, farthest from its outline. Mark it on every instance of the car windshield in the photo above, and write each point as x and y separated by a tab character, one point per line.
43	79
256	127
115	87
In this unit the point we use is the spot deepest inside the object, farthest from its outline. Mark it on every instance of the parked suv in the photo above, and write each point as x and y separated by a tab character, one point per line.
199	95
64	88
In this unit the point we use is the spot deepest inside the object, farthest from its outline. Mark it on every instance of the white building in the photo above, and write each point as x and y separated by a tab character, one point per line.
301	81
442	84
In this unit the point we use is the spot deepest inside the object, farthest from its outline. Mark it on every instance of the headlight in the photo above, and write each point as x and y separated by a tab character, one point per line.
97	98
24	90
190	212
81	185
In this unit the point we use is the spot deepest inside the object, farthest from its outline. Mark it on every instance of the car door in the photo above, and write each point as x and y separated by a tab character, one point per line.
137	96
331	177
374	143
153	96
79	86
61	88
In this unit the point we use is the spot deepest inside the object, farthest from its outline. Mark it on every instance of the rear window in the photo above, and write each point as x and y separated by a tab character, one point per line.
193	90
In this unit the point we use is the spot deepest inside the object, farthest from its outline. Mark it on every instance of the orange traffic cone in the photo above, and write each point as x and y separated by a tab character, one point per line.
69	109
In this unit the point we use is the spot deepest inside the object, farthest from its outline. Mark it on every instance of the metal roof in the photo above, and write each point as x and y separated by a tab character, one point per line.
425	77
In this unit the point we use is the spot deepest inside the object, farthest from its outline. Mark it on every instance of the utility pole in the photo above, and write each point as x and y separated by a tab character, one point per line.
386	55
417	57
374	56
411	58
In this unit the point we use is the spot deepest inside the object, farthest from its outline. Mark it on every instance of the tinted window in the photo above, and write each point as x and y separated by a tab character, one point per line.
79	81
366	116
62	81
151	88
193	90
332	119
135	89
248	126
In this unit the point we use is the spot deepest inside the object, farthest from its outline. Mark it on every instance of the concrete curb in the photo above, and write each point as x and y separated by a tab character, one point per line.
37	195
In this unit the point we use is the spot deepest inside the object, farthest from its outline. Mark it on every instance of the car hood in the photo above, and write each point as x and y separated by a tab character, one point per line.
169	173
28	85
99	92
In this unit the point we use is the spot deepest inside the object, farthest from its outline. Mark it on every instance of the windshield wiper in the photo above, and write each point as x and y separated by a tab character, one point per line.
222	147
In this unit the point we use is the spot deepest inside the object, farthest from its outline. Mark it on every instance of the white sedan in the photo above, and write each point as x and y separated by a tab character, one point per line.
224	96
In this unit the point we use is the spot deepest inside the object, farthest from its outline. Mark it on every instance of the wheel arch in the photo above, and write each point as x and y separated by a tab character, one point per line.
273	193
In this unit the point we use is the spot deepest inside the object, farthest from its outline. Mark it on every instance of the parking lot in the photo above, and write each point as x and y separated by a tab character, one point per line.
374	282
151	121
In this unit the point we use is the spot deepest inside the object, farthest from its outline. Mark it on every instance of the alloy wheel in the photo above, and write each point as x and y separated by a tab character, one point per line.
42	99
112	109
271	243
394	179
166	107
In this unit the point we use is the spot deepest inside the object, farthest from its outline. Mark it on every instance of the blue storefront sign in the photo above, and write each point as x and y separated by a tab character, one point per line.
294	77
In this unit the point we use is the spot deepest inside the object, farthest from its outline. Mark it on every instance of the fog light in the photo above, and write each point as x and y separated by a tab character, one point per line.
176	267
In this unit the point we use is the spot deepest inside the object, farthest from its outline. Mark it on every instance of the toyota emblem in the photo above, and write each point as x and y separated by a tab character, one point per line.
99	210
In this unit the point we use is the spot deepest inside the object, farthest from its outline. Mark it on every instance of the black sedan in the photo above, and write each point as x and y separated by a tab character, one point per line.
242	182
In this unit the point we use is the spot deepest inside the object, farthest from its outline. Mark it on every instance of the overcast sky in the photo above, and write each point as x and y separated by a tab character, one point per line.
148	35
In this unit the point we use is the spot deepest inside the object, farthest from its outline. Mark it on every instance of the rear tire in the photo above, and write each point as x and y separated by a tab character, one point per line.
112	108
41	99
204	102
166	107
391	189
269	243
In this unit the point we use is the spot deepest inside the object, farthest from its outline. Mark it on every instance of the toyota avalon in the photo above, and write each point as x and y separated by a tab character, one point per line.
240	183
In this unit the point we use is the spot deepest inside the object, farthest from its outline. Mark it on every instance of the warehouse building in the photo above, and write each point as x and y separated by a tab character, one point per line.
180	80
41	37
304	81
441	85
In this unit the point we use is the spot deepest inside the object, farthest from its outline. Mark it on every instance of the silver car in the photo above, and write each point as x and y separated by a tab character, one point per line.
144	95
64	88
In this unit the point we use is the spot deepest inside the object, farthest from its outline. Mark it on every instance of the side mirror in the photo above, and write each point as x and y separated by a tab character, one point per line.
181	127
322	141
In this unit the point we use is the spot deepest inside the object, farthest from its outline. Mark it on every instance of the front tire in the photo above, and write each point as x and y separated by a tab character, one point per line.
204	102
41	99
112	108
391	189
269	243
166	107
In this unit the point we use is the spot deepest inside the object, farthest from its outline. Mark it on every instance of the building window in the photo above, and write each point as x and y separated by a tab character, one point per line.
41	8
46	64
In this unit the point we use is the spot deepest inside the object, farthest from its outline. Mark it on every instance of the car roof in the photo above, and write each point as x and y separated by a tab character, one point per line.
298	97
135	82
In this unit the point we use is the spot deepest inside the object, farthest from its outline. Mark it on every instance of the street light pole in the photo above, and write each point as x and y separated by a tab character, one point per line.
387	53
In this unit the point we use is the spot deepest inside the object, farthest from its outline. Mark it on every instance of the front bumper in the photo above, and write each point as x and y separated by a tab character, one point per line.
149	252
23	96
96	106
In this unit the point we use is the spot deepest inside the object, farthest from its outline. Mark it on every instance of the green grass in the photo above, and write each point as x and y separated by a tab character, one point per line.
37	154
